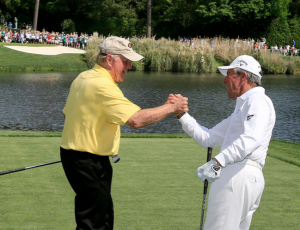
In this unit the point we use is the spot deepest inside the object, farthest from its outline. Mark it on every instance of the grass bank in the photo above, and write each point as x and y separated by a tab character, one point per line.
12	60
154	185
164	55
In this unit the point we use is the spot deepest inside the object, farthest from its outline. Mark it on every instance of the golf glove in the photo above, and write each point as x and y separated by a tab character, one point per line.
210	171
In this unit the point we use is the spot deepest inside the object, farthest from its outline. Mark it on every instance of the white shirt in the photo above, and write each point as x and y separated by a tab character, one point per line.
246	133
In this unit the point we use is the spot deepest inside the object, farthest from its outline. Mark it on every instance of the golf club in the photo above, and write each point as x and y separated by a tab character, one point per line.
209	152
29	167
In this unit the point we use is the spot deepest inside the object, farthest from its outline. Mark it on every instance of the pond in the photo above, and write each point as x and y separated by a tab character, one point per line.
34	101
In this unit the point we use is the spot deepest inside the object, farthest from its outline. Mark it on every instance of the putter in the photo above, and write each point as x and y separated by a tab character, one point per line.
29	167
209	152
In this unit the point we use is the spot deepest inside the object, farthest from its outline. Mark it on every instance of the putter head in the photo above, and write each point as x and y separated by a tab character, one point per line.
115	158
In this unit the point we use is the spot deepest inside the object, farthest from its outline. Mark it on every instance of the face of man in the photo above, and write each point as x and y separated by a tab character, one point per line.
119	67
233	83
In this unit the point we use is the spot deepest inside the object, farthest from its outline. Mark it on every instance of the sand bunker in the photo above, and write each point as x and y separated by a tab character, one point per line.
47	50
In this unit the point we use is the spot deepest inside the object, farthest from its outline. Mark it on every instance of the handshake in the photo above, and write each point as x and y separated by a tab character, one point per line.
178	103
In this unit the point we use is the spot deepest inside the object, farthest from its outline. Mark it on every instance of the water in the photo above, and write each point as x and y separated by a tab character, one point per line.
34	101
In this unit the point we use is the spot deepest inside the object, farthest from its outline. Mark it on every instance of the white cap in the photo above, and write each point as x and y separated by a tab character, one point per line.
244	62
116	45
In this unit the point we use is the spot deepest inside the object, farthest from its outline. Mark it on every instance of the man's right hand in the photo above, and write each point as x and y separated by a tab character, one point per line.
172	99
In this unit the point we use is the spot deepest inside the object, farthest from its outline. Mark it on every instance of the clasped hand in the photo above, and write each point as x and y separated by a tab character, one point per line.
179	103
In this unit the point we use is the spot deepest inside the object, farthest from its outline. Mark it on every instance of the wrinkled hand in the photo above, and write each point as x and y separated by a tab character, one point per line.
210	171
172	98
180	105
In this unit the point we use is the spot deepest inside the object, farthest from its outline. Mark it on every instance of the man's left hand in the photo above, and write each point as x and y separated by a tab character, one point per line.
210	171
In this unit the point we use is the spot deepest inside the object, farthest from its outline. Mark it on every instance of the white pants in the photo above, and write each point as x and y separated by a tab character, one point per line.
234	197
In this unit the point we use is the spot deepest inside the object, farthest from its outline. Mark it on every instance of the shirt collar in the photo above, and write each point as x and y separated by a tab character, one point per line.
252	91
104	72
240	100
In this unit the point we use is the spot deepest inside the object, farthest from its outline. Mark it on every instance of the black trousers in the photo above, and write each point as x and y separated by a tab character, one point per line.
90	176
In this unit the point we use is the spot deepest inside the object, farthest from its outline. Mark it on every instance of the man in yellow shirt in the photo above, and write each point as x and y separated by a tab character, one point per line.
94	111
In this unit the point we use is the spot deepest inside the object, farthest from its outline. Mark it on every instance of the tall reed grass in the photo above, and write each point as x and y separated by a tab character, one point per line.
272	63
201	56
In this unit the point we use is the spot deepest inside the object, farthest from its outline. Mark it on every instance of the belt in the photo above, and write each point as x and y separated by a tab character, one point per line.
250	162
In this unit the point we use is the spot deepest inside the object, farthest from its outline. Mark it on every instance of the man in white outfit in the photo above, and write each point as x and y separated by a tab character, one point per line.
236	172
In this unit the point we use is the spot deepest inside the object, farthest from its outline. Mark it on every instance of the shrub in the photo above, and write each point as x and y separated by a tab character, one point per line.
273	63
68	26
92	52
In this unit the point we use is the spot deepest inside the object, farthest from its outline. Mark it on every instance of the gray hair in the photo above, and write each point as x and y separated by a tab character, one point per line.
251	77
101	58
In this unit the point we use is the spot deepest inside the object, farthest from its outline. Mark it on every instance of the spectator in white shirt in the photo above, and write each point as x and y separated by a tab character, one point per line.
287	48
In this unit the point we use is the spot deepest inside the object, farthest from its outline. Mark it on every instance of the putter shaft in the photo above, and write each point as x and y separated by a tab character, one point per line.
209	153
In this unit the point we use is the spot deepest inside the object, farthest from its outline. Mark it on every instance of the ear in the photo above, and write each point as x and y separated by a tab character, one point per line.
243	76
109	59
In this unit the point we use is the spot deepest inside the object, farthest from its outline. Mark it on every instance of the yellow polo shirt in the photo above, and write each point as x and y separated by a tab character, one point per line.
94	111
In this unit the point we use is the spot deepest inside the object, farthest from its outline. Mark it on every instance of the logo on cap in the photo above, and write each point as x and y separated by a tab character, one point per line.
129	45
241	63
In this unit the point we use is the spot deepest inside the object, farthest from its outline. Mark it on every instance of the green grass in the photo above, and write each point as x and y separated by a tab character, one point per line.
154	184
285	151
11	60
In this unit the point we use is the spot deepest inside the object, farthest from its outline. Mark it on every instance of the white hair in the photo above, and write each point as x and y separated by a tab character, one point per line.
101	58
251	77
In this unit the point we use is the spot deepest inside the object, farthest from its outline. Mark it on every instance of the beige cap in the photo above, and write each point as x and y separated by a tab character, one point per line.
116	45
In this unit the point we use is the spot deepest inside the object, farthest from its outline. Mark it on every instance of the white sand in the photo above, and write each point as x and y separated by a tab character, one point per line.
47	50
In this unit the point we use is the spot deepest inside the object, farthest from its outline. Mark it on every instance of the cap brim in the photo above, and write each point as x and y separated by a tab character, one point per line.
223	69
133	56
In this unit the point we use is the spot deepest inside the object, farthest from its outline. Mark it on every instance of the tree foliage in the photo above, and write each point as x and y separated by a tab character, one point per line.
232	18
279	32
68	26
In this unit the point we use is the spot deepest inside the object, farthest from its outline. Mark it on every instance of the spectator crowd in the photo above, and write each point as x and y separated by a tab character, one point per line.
74	40
80	41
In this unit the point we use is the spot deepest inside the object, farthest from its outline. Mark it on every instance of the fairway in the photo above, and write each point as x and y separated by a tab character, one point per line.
154	185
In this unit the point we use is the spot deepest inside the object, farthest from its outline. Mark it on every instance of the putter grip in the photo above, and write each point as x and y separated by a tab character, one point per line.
209	153
11	171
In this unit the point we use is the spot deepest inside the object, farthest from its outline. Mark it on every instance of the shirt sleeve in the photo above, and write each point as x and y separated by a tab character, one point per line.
255	118
117	108
203	136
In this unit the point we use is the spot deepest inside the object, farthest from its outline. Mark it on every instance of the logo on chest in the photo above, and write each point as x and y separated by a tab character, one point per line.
249	117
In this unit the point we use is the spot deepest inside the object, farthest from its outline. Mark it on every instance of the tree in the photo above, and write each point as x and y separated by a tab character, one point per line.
149	19
36	13
279	32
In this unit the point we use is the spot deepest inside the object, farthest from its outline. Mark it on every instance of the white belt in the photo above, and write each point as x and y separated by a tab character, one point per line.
250	162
